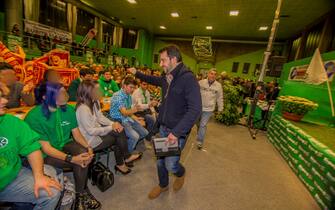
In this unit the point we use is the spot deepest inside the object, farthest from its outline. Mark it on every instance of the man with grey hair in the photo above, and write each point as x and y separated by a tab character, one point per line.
211	94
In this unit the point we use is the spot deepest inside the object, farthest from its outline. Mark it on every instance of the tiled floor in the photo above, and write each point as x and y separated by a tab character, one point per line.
233	172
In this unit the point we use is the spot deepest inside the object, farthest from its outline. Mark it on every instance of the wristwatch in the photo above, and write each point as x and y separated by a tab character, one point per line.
68	158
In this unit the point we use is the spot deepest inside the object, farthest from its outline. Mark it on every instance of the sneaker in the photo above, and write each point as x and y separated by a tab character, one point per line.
91	202
80	202
199	146
148	145
156	191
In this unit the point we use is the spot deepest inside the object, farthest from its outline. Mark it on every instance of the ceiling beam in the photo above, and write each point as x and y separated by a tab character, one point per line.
93	11
221	40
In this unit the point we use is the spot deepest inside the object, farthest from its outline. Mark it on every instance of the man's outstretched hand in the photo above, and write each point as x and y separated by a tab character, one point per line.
131	70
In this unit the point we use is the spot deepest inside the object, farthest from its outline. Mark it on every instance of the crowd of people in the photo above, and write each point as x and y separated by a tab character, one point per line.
56	135
63	136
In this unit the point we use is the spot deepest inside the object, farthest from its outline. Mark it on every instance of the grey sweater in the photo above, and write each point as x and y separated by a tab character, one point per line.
93	125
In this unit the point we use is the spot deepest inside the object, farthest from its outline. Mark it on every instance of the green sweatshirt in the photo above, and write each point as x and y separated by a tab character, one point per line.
16	138
107	86
73	89
57	129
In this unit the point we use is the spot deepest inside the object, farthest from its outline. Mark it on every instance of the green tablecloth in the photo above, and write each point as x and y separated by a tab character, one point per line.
312	158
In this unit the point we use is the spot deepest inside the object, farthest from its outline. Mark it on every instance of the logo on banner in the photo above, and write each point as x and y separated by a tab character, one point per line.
298	73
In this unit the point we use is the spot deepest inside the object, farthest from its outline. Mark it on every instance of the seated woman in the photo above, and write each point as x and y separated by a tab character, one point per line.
100	132
55	121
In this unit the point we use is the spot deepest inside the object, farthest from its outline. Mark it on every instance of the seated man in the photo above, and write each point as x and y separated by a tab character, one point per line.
107	85
20	184
18	91
122	111
141	97
84	75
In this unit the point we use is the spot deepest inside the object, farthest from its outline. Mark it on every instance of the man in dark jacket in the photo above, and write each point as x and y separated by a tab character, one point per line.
178	112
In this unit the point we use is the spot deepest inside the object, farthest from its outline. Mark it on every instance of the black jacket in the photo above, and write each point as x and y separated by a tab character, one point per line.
182	106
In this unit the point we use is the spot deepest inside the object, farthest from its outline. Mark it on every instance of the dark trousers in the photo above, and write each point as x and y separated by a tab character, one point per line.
80	174
119	143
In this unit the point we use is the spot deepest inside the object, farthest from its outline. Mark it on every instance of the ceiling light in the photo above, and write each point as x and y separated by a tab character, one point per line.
132	1
174	14
162	27
234	12
132	32
263	28
209	27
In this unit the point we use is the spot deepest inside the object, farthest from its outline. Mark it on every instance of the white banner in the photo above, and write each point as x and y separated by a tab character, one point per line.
298	73
40	29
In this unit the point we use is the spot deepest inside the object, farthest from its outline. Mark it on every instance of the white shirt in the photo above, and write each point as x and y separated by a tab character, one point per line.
141	98
211	95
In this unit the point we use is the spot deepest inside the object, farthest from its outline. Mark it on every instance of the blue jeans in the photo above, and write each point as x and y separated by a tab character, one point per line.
21	190
202	126
150	121
170	163
134	132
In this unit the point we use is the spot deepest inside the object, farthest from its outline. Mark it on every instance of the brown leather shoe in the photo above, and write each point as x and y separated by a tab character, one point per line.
178	183
156	191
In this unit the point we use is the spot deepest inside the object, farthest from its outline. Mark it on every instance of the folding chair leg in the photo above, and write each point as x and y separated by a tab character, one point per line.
108	153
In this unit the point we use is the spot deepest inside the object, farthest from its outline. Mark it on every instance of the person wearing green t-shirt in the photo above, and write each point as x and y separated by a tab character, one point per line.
107	84
55	121
85	74
19	184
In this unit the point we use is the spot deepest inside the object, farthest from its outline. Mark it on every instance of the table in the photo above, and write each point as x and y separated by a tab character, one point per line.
21	112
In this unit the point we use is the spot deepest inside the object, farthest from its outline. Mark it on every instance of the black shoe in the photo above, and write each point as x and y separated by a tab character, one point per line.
199	146
80	202
91	202
122	172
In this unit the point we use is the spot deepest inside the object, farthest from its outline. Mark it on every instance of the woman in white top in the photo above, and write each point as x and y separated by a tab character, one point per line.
100	132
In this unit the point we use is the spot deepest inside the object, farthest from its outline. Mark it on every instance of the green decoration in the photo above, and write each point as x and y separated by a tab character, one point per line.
232	101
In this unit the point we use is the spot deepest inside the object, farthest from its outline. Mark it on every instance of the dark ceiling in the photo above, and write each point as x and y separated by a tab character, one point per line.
195	15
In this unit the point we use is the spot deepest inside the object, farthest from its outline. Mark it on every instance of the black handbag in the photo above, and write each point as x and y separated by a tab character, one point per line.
101	176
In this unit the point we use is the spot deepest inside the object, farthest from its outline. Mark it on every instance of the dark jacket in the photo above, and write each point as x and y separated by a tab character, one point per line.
16	95
181	108
73	89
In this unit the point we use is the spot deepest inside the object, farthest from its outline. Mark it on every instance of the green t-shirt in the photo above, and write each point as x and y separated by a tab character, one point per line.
57	129
107	86
73	89
16	138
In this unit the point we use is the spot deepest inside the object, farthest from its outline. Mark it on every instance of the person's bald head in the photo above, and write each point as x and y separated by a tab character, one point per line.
7	74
